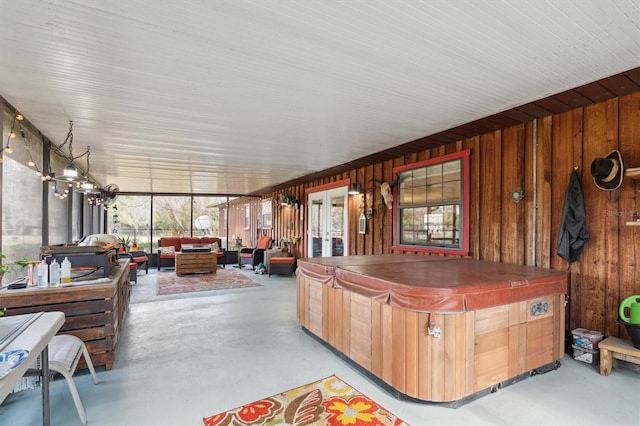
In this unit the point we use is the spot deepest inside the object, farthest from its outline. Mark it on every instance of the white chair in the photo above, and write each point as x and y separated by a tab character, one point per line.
64	354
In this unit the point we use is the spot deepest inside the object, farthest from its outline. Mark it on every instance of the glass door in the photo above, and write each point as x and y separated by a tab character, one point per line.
328	223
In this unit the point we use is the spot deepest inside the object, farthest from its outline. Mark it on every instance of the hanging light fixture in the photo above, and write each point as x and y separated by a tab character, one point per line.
12	134
70	173
86	186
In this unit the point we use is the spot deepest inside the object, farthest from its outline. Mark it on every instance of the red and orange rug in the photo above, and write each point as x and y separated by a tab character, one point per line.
329	401
170	283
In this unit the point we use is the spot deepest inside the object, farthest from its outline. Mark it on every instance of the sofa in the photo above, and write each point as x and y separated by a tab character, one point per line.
168	246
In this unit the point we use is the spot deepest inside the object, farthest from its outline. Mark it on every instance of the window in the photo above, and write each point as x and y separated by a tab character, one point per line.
247	216
432	199
266	214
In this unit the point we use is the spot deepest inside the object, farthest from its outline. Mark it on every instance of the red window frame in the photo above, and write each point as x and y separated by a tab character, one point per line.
466	202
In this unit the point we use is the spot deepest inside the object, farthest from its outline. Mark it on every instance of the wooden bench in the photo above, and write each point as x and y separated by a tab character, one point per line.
612	349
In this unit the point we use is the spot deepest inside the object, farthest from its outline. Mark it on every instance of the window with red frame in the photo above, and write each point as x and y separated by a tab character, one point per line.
431	204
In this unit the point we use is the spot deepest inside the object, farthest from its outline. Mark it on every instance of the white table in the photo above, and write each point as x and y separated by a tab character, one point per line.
35	339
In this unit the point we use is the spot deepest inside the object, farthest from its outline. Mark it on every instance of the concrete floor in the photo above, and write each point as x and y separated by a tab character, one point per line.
188	356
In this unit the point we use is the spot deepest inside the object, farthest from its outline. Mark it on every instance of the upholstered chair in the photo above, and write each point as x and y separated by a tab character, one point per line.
255	256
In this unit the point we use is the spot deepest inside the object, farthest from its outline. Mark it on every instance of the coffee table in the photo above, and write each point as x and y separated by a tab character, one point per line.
196	262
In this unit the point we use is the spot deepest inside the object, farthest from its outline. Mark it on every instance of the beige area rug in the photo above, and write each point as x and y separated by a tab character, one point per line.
170	283
329	401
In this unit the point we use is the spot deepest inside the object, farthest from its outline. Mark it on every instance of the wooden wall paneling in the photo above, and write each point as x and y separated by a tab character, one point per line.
472	144
423	155
355	241
369	246
512	218
529	170
490	196
575	277
380	209
594	260
373	224
563	162
629	200
543	191
613	228
561	169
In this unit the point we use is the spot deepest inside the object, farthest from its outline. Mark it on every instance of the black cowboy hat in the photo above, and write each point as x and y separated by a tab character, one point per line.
607	172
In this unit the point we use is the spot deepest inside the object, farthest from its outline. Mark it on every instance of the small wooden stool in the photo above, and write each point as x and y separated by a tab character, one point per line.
282	265
612	349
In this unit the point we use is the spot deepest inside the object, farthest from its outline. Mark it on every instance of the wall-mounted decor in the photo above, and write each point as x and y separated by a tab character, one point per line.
362	224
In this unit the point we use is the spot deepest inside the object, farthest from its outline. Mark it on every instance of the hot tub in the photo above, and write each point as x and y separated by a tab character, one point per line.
431	328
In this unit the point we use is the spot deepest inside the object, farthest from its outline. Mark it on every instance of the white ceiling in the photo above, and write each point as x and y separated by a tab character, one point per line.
233	96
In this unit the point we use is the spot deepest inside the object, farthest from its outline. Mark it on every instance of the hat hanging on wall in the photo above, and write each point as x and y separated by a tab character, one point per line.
608	172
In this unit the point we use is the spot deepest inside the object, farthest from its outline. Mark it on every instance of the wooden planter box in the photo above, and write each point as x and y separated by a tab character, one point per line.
95	313
191	263
444	354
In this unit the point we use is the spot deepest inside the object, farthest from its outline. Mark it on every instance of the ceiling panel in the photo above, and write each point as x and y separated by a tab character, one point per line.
242	96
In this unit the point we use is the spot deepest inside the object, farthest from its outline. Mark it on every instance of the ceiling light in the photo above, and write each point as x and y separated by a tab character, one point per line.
70	174
87	187
19	116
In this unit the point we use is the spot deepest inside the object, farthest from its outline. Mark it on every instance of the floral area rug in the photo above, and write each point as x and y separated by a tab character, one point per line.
329	401
170	283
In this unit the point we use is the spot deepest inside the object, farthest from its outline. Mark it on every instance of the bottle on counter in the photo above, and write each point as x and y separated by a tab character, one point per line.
65	271
42	271
54	274
31	279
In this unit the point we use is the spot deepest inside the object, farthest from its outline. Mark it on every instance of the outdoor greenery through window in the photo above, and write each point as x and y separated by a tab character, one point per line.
431	204
131	218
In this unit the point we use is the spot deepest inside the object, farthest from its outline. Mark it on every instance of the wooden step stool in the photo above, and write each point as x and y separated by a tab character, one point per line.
612	349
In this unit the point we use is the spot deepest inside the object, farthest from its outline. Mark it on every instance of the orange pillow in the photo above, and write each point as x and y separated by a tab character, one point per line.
263	243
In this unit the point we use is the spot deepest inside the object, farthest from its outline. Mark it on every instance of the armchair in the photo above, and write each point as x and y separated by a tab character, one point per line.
254	256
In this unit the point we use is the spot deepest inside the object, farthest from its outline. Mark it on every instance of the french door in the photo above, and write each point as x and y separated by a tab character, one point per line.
327	221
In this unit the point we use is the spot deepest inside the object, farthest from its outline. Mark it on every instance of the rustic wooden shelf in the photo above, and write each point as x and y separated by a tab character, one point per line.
633	173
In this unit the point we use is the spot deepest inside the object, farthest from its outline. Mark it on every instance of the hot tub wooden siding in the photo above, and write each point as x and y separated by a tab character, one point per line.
476	350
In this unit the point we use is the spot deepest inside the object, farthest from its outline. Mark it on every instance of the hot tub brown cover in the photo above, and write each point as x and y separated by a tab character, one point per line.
322	269
449	284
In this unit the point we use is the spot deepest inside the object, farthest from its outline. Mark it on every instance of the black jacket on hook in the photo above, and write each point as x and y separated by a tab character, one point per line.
573	233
